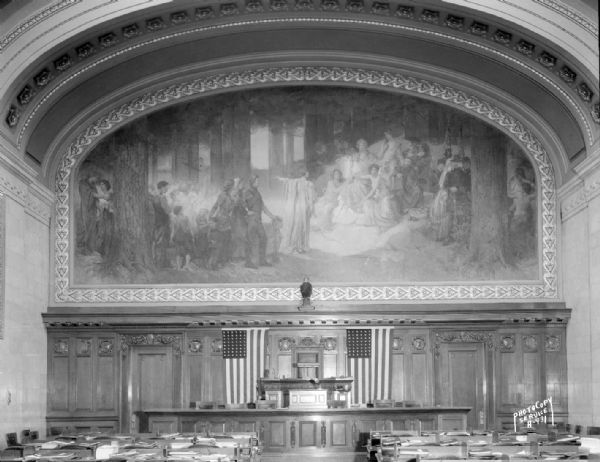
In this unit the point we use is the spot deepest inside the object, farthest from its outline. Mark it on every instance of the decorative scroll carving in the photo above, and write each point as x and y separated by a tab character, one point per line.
285	343
552	343
128	341
195	346
546	288
307	342
216	346
507	343
328	343
530	343
61	347
105	347
486	338
83	347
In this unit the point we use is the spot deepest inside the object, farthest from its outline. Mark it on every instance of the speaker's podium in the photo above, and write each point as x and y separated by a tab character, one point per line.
297	393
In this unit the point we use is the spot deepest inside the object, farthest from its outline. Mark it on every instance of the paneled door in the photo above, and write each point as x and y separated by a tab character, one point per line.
462	380
152	380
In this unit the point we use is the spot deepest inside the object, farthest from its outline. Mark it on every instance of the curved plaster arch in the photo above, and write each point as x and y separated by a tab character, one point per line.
587	127
544	289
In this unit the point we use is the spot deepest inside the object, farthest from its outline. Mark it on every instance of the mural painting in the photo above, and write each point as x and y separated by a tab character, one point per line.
343	185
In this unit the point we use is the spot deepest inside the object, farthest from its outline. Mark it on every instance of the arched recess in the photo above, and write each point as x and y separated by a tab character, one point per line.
515	125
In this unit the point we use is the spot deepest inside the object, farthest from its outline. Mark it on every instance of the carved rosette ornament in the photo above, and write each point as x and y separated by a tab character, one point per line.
61	347
419	344
487	338
195	346
128	341
105	347
546	287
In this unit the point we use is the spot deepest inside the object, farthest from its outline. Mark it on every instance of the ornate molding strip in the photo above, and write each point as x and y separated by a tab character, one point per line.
570	14
565	12
546	288
490	50
34	20
21	193
580	200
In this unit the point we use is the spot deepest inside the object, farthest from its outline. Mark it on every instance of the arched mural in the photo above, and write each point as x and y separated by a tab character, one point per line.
348	186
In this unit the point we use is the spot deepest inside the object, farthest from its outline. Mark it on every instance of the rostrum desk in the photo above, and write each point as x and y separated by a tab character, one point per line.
307	430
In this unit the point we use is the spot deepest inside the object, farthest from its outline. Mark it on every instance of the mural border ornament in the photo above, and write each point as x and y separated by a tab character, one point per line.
545	288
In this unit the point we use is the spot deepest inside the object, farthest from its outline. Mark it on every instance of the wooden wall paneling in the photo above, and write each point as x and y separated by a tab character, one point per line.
532	349
59	373
203	372
151	375
106	378
282	343
509	375
339	433
276	434
555	361
412	366
84	374
462	378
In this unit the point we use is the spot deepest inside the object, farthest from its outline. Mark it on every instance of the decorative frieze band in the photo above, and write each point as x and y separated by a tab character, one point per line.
38	207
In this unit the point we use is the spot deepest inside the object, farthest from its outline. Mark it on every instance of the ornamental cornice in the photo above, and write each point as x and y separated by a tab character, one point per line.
34	20
546	288
577	194
23	189
571	14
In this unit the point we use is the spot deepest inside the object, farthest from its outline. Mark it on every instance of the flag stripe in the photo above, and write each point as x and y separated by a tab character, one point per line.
372	374
242	373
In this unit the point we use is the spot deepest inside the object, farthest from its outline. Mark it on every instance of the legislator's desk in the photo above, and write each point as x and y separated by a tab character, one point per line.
282	430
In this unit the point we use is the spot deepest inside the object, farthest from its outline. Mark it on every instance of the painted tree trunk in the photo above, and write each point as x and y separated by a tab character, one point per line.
131	245
488	242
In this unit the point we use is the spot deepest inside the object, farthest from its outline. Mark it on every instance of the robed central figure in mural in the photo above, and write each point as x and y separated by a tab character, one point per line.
299	199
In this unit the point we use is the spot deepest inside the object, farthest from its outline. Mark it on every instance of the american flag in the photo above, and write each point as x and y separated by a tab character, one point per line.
370	363
244	354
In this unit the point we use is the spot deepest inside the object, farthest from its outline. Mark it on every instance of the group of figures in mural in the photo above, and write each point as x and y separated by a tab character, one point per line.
351	211
368	196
